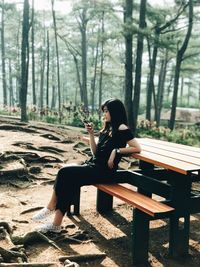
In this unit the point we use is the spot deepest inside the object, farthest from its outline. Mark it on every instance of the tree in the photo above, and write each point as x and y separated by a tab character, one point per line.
24	61
138	69
159	29
47	72
82	20
179	59
128	61
57	58
161	83
33	53
101	65
3	55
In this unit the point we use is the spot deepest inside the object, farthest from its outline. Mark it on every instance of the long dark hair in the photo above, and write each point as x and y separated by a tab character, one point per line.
117	113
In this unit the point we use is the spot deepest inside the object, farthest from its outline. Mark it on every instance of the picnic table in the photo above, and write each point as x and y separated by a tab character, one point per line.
167	170
172	168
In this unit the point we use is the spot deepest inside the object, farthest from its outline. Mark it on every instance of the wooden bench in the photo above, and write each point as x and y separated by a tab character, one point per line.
137	200
168	170
147	208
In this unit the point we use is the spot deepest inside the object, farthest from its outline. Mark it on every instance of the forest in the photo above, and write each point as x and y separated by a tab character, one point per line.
59	65
59	61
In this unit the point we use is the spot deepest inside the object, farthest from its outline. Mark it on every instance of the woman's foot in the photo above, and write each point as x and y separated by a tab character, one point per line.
49	227
42	214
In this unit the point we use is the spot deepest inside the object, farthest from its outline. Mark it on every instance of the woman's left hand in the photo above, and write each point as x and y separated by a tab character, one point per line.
111	159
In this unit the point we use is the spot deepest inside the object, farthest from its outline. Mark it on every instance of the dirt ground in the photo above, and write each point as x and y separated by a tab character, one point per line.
26	181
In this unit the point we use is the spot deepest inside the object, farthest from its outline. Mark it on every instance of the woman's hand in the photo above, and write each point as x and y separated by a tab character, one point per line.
111	159
89	128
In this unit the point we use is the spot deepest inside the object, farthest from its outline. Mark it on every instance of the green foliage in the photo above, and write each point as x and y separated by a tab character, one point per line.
50	119
167	104
182	135
77	120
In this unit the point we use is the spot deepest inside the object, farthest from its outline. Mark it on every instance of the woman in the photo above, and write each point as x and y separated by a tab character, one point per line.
101	168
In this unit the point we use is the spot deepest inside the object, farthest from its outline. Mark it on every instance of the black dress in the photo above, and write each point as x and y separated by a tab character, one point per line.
96	170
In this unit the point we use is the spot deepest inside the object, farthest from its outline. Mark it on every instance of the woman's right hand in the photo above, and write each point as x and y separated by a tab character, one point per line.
89	128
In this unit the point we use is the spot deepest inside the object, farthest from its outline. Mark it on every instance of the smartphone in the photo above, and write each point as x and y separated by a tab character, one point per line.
86	121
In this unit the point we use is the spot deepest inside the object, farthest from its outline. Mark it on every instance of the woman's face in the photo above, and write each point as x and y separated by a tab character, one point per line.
106	115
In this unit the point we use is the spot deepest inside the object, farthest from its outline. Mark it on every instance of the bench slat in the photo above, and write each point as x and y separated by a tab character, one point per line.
167	146
135	199
172	154
170	144
167	163
177	165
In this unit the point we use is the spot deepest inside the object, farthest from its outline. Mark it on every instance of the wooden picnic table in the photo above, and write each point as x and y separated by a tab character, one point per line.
169	169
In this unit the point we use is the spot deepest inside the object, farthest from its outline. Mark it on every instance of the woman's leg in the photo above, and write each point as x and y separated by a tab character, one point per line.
52	202
58	218
68	180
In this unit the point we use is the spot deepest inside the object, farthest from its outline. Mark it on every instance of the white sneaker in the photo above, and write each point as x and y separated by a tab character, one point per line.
49	227
42	214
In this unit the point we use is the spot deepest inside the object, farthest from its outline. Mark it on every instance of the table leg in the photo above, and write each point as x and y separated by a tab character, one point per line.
179	229
104	202
179	236
140	237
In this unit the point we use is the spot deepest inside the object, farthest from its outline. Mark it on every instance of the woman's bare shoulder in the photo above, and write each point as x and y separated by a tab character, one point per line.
123	127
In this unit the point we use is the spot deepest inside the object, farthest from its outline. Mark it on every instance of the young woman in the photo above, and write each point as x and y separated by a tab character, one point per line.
101	168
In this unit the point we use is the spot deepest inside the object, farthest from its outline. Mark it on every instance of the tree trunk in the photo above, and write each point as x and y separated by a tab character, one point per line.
101	66
42	70
151	88
18	66
138	69
128	63
24	61
33	54
57	59
181	93
53	99
47	89
5	102
179	59
78	77
11	95
93	82
83	27
161	86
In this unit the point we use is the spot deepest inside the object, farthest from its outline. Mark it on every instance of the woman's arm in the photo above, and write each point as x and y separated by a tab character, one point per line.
90	129
133	147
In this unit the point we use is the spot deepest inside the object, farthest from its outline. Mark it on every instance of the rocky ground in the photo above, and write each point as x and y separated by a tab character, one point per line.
31	155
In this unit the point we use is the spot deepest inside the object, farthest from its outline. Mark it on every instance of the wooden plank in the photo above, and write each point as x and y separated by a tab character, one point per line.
135	199
172	154
160	160
178	149
168	163
186	147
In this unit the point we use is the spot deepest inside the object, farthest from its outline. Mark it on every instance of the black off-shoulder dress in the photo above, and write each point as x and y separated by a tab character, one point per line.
70	178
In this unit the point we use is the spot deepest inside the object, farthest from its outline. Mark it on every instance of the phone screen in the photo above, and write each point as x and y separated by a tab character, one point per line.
86	121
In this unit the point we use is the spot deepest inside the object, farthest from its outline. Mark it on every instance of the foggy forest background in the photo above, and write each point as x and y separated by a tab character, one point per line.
60	65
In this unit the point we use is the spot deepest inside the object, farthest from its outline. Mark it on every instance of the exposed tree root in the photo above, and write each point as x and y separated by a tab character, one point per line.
50	149
51	137
6	226
12	256
32	264
33	237
84	257
17	128
31	210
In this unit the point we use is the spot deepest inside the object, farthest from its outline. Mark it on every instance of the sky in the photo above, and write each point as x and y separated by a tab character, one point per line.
46	4
65	4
